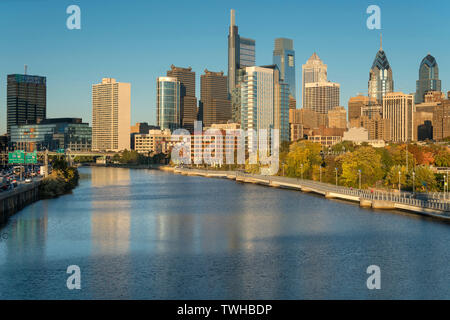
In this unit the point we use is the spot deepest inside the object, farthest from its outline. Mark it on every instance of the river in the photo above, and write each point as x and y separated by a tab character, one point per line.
148	234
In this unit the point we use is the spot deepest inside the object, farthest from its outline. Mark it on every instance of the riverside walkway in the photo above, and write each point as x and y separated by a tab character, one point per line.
424	204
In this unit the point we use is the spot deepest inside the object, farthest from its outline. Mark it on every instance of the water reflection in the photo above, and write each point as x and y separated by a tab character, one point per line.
150	234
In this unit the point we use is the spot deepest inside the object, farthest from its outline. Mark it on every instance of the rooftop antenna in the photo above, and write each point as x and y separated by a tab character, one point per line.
381	42
26	67
232	22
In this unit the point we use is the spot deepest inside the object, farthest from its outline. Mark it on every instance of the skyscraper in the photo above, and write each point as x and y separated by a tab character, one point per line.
380	76
265	102
188	101
111	115
399	108
168	109
428	78
314	70
355	104
26	99
214	104
284	58
321	96
241	53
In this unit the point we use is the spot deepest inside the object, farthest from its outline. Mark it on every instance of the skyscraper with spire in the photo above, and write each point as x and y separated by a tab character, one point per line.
314	70
380	76
428	78
241	53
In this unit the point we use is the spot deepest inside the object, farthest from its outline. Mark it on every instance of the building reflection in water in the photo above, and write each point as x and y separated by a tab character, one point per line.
27	237
110	229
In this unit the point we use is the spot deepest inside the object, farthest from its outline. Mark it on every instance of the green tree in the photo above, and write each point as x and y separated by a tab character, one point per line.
392	177
365	159
425	179
442	159
303	155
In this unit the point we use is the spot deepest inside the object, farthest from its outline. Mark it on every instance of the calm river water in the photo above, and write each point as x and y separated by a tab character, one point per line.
143	234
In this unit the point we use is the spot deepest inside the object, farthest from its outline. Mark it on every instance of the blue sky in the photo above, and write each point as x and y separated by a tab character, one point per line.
137	41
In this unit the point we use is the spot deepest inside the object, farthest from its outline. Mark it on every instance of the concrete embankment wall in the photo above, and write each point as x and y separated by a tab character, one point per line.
14	200
366	203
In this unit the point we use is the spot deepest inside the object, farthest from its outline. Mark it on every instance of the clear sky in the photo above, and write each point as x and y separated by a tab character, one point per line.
137	41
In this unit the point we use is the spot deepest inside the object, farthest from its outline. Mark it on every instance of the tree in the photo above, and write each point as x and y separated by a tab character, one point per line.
392	178
442	159
425	179
303	155
365	159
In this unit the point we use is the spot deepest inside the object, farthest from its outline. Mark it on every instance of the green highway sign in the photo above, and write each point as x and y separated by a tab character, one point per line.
31	157
60	151
17	156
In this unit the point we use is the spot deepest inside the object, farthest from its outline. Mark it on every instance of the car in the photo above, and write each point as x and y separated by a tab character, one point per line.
28	180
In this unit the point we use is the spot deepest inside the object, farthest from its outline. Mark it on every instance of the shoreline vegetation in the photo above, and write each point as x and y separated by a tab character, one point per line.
62	180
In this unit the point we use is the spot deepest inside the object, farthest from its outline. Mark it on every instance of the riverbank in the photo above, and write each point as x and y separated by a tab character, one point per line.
365	198
15	200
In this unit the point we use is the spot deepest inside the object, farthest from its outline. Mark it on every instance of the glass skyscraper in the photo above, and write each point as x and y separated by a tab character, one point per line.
168	103
380	77
284	58
265	102
26	99
428	78
241	53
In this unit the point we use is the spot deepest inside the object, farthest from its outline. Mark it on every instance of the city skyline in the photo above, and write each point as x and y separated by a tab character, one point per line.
134	67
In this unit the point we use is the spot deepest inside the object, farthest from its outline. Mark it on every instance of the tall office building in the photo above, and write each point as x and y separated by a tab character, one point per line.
168	103
111	115
188	101
337	118
428	78
284	58
241	53
381	81
399	108
314	70
321	96
236	97
26	99
265	102
214	104
355	105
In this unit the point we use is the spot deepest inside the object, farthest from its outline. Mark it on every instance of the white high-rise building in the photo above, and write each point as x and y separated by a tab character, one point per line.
111	102
265	102
399	109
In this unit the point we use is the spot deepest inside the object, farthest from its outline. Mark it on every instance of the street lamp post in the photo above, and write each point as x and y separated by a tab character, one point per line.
320	171
336	169
359	173
302	170
414	182
399	181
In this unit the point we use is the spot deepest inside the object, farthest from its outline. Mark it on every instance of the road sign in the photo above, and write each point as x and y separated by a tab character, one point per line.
31	157
60	151
17	156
